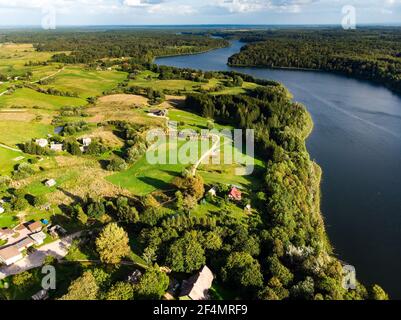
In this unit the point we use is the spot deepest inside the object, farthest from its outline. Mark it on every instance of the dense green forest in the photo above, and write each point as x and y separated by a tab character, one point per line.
373	54
88	46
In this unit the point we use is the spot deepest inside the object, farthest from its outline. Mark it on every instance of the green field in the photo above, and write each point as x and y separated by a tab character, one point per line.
147	79
86	83
30	98
19	131
8	160
143	177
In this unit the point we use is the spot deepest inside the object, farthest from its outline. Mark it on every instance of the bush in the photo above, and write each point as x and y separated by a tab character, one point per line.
117	164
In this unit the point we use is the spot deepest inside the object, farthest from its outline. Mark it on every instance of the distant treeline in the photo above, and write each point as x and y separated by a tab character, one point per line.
85	47
372	54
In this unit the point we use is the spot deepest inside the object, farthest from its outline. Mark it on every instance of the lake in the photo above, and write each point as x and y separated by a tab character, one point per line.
357	142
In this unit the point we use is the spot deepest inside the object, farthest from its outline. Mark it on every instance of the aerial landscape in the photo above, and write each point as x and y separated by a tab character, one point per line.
149	155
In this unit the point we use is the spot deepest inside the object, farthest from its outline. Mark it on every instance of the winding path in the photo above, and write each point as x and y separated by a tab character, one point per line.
9	148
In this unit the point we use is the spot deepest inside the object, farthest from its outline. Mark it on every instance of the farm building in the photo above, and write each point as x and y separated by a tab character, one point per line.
50	183
10	255
197	287
58	147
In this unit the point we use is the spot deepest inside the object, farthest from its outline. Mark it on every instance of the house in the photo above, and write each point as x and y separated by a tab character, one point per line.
86	142
21	228
50	183
35	226
58	147
38	237
235	194
42	142
41	295
10	255
212	192
135	276
197	287
24	244
1	210
5	233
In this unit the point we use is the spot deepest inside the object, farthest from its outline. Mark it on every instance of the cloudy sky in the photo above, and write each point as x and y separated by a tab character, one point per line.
140	12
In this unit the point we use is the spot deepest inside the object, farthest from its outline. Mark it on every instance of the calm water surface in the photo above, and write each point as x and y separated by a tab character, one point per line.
357	142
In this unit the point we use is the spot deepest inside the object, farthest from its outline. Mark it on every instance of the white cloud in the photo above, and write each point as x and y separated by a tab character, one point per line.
242	6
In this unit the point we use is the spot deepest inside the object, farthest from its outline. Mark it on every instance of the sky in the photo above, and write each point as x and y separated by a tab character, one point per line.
176	12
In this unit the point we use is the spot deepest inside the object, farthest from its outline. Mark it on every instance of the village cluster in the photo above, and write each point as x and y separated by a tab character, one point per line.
25	236
58	147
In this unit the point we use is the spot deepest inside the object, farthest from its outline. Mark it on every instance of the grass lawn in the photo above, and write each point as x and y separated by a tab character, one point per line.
207	209
25	97
87	83
7	160
20	131
8	220
144	177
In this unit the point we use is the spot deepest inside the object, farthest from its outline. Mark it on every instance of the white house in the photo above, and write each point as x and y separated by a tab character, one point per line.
50	183
212	192
56	147
42	142
10	255
86	141
38	237
1	210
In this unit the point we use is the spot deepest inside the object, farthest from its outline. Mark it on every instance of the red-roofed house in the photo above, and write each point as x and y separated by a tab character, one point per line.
235	194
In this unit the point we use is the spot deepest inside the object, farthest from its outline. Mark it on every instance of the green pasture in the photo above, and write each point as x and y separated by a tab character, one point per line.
30	98
86	83
12	133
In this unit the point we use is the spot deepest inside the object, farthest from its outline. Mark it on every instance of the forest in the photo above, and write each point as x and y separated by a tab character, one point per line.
371	54
85	47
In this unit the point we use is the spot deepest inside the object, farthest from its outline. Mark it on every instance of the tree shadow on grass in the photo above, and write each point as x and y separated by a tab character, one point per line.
156	183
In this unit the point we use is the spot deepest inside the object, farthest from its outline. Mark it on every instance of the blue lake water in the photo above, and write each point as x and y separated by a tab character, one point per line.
357	142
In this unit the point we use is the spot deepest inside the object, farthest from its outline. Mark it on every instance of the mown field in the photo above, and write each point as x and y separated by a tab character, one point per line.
147	79
28	98
85	82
